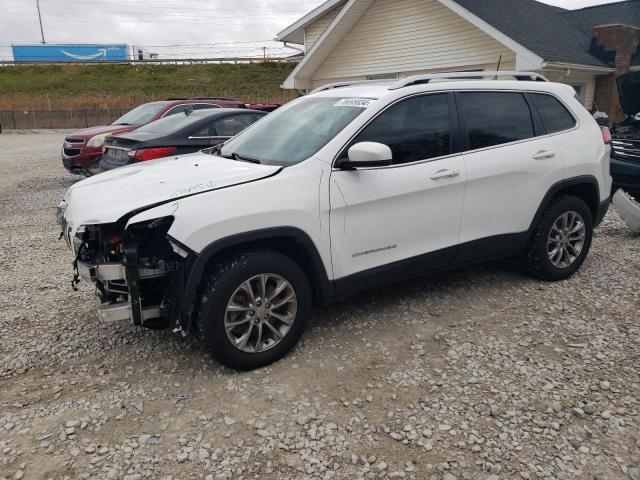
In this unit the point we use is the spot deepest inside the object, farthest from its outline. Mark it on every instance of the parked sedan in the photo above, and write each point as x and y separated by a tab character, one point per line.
82	149
175	135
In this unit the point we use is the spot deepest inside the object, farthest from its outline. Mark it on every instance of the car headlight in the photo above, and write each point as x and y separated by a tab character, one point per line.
96	141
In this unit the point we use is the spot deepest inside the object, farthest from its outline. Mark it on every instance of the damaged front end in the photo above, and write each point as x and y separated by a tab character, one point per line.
137	271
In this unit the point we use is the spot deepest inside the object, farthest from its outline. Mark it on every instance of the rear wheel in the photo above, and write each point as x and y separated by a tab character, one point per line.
561	240
253	309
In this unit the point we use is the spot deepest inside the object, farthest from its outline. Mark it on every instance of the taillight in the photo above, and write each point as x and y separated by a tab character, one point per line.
150	153
606	135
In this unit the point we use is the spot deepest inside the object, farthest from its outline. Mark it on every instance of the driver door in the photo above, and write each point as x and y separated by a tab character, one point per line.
394	222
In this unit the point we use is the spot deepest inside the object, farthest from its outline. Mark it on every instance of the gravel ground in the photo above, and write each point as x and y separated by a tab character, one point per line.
479	373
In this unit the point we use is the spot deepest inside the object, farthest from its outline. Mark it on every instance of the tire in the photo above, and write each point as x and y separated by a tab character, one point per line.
537	260
227	281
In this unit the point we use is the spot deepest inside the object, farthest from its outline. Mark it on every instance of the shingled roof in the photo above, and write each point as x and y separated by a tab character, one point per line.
553	33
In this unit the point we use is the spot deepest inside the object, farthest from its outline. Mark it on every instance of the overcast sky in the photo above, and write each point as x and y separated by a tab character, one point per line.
173	28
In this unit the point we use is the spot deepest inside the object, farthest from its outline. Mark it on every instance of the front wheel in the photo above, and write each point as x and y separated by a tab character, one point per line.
561	240
253	309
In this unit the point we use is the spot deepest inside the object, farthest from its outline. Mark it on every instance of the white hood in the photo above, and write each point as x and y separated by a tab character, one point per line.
107	197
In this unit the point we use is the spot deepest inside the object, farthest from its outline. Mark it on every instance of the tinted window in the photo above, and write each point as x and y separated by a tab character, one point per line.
232	125
140	115
175	110
204	106
203	132
171	124
554	115
414	129
493	118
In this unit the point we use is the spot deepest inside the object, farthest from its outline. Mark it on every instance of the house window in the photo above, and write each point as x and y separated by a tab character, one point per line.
383	76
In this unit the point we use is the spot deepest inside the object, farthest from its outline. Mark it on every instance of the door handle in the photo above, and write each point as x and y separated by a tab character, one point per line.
444	174
544	154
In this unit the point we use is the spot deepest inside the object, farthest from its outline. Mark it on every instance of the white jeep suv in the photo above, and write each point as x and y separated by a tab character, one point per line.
350	187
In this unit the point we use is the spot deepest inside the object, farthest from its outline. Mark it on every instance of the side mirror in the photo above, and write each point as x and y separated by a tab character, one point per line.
367	154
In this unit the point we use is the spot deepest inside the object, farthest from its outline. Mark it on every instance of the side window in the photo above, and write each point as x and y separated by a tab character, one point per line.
232	125
494	118
175	110
555	116
203	132
414	129
204	106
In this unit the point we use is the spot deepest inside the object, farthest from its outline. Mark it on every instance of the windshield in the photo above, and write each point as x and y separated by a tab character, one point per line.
140	115
295	132
171	124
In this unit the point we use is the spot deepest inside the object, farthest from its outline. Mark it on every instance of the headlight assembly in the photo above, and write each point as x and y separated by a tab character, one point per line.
96	141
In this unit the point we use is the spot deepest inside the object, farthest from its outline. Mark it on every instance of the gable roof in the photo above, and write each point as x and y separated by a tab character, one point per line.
294	33
552	33
624	12
543	29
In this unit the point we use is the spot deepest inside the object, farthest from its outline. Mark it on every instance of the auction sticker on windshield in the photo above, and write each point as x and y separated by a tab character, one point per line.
354	102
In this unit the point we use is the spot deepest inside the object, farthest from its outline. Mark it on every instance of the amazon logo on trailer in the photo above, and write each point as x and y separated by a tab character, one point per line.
70	53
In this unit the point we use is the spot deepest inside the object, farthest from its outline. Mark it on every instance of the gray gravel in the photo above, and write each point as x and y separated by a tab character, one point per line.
479	373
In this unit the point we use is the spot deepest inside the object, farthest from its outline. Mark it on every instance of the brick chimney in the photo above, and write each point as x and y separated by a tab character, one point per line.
621	41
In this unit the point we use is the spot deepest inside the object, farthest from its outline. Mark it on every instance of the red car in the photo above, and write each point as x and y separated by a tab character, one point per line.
82	150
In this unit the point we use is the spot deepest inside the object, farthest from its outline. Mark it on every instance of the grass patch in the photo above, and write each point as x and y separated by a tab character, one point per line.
118	86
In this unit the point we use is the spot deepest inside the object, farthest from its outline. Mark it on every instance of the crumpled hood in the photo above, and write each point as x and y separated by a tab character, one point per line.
107	197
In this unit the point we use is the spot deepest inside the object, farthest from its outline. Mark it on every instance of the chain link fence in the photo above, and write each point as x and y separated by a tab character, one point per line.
28	119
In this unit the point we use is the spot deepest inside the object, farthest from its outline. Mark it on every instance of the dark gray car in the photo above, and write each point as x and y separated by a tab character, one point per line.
187	132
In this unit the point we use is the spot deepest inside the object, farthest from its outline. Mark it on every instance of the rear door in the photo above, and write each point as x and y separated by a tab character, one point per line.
392	222
511	163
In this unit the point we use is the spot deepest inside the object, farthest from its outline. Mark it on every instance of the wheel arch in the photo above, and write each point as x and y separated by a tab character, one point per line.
584	187
289	241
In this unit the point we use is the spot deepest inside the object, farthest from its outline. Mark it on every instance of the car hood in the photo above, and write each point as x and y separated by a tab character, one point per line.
101	129
629	128
109	196
629	89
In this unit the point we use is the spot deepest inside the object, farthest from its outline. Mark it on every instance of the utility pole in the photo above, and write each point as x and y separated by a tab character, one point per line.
40	19
264	53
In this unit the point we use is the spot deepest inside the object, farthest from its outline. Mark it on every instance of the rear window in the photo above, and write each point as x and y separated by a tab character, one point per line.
494	118
171	124
555	116
140	115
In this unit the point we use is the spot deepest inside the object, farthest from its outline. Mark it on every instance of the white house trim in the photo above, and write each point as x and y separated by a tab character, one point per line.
525	58
575	66
305	82
293	31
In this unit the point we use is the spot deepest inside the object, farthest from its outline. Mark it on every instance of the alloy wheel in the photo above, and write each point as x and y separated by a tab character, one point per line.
260	313
566	239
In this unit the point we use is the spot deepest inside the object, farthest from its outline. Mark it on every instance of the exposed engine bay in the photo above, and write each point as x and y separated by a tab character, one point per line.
136	272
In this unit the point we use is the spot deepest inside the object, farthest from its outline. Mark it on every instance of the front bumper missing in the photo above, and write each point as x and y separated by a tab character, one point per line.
117	272
117	312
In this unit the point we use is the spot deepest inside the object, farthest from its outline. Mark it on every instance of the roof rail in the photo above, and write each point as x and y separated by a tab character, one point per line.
422	79
331	86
